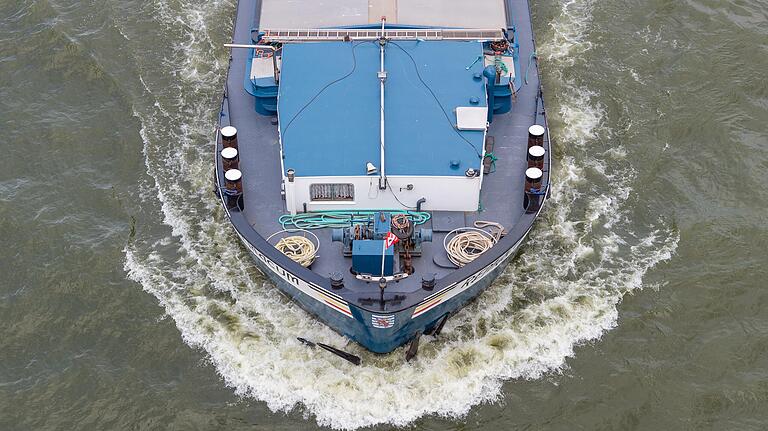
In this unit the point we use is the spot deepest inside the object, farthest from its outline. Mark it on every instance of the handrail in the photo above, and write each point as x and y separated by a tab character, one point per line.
340	34
276	71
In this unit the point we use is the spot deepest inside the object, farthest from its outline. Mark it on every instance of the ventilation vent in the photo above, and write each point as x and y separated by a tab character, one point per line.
332	192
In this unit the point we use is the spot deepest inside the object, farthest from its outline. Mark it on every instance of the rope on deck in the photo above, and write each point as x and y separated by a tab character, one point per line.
465	244
300	249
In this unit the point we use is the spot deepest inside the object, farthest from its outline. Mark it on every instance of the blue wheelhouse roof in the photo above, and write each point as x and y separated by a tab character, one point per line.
329	107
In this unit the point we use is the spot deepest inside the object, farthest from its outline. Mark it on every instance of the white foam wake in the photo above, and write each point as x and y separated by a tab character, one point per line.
562	291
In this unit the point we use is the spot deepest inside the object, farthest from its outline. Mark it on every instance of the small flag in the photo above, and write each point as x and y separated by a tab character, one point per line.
391	240
382	322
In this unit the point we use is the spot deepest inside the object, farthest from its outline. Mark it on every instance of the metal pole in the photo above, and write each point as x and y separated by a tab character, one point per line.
383	256
382	79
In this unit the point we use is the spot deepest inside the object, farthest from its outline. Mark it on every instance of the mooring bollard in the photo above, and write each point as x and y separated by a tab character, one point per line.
536	136
533	191
229	137
233	187
536	157
230	159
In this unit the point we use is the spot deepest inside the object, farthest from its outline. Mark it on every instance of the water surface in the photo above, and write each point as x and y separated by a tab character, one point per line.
638	303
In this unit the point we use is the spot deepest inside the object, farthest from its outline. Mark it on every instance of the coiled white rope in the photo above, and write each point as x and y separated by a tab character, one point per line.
465	244
300	249
499	228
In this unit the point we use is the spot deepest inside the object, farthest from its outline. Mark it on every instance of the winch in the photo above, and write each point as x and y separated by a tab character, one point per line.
366	243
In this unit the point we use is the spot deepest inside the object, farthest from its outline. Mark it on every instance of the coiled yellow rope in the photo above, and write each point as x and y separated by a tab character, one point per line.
465	244
300	249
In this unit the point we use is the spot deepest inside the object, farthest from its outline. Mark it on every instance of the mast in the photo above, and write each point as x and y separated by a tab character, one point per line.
382	78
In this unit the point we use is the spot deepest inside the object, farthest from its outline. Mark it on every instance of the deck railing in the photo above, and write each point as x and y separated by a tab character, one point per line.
309	35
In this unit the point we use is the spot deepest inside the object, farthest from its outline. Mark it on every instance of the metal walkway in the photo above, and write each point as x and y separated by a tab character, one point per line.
316	35
280	14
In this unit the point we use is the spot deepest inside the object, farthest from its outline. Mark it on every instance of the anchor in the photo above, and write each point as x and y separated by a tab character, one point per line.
340	353
413	348
435	331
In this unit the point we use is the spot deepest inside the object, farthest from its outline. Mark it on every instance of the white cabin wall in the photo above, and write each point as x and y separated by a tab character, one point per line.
442	193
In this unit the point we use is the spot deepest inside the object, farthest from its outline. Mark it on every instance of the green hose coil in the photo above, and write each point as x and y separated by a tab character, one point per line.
339	219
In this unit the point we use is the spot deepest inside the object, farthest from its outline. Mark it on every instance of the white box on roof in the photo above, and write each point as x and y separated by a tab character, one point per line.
472	118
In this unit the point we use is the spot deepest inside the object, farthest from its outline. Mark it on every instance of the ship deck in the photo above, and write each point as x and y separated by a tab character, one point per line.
502	190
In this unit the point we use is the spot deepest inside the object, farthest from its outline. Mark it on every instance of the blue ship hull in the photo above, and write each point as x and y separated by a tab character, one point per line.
406	324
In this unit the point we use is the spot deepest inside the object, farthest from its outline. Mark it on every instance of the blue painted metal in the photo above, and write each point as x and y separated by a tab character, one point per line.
381	225
264	90
490	77
503	91
500	94
367	255
338	132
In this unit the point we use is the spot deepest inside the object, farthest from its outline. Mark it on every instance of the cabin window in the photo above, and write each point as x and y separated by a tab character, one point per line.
332	192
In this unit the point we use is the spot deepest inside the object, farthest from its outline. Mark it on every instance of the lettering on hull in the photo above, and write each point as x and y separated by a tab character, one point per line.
316	292
451	291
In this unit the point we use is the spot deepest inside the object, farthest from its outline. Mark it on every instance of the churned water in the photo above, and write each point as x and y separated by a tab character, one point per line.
639	301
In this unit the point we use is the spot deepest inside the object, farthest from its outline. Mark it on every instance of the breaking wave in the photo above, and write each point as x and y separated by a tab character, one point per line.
562	291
